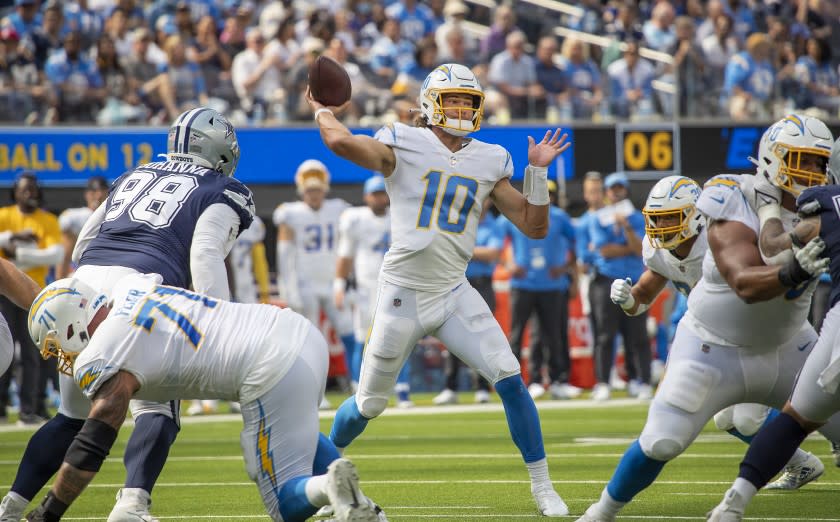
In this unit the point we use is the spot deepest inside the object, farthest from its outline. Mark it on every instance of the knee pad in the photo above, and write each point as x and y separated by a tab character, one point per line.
724	419
748	418
687	385
661	448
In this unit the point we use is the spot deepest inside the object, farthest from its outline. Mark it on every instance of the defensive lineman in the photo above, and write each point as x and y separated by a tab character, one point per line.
159	343
177	218
438	179
745	334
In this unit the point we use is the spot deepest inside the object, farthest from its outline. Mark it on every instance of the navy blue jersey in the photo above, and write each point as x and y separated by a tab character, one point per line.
828	197
151	215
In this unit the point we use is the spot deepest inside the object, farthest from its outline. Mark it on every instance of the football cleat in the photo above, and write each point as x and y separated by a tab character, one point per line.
794	477
835	452
564	391
405	405
348	501
482	396
601	392
549	502
593	515
447	396
536	390
132	506
12	507
645	392
725	511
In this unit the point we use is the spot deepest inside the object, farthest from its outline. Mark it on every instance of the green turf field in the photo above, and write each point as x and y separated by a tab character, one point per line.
449	465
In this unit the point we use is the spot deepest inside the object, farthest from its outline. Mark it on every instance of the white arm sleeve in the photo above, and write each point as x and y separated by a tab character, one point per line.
215	233
88	232
31	257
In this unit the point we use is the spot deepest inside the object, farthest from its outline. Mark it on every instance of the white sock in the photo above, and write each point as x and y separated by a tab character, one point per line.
746	492
316	491
608	505
799	458
17	504
538	470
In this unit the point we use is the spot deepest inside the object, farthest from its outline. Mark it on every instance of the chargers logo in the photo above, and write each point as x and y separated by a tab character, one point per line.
88	377
265	455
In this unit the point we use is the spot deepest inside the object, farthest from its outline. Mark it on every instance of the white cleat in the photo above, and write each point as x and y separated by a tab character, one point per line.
564	391
593	515
447	396
348	501
12	508
549	502
536	390
405	405
725	512
794	477
325	511
482	396
132	506
601	392
645	392
835	452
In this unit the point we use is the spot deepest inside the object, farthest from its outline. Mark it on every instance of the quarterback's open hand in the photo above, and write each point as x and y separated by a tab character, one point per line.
809	257
543	153
315	105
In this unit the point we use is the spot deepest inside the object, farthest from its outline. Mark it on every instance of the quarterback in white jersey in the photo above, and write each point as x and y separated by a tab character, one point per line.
745	334
160	343
307	243
72	220
437	179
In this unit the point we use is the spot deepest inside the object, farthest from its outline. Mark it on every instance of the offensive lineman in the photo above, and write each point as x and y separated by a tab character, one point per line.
160	342
437	179
745	334
177	218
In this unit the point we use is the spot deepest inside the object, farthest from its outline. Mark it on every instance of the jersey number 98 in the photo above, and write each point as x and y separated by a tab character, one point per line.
443	202
152	200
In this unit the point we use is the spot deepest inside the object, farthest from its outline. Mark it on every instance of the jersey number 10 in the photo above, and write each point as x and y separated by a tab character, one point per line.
443	204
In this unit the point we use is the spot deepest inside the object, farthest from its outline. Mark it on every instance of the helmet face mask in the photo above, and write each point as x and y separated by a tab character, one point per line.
452	79
671	216
789	146
205	137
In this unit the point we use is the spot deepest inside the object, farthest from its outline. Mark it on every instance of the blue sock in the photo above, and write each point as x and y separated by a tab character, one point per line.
404	382
356	361
44	454
522	417
292	501
147	449
325	453
635	472
349	423
771	450
349	342
749	438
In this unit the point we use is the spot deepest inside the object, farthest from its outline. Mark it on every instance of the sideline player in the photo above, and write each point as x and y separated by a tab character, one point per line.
177	218
815	397
438	179
72	220
160	342
307	242
745	334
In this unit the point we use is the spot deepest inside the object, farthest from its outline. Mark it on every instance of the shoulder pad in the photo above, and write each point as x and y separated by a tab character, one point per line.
722	199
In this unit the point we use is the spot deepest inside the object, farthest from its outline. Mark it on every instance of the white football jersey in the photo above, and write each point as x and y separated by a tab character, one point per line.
73	219
436	200
242	263
316	240
182	345
365	237
683	273
715	312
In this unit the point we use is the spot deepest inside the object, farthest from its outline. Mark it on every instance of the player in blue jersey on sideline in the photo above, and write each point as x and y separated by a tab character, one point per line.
177	218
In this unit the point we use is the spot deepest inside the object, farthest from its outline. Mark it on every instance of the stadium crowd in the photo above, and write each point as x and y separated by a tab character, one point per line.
117	62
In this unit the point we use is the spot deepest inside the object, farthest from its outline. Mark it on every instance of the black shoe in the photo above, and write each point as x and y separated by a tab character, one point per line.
30	419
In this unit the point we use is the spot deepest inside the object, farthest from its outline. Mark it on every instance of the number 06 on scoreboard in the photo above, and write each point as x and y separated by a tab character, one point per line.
647	151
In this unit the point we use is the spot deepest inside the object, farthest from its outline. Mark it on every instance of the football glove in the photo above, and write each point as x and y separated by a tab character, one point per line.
620	293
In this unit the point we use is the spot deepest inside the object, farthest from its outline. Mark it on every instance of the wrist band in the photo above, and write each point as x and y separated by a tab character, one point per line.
321	111
339	285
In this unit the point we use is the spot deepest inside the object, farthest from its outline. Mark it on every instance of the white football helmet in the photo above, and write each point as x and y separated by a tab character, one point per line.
312	174
452	78
59	318
671	215
782	147
205	137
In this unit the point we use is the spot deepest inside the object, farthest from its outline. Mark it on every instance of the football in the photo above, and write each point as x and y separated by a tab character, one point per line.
329	82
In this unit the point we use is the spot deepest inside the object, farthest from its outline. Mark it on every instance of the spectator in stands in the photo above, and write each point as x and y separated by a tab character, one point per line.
297	80
214	61
688	72
504	23
817	77
49	37
78	16
583	78
785	41
744	18
659	30
22	85
591	17
233	34
155	90
25	18
370	20
75	84
116	26
456	12
391	53
718	48
184	26
122	104
551	78
343	30
29	237
616	234
626	25
256	77
365	98
749	81
458	52
284	45
631	92
184	74
416	19
514	74
542	272
410	79
708	27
